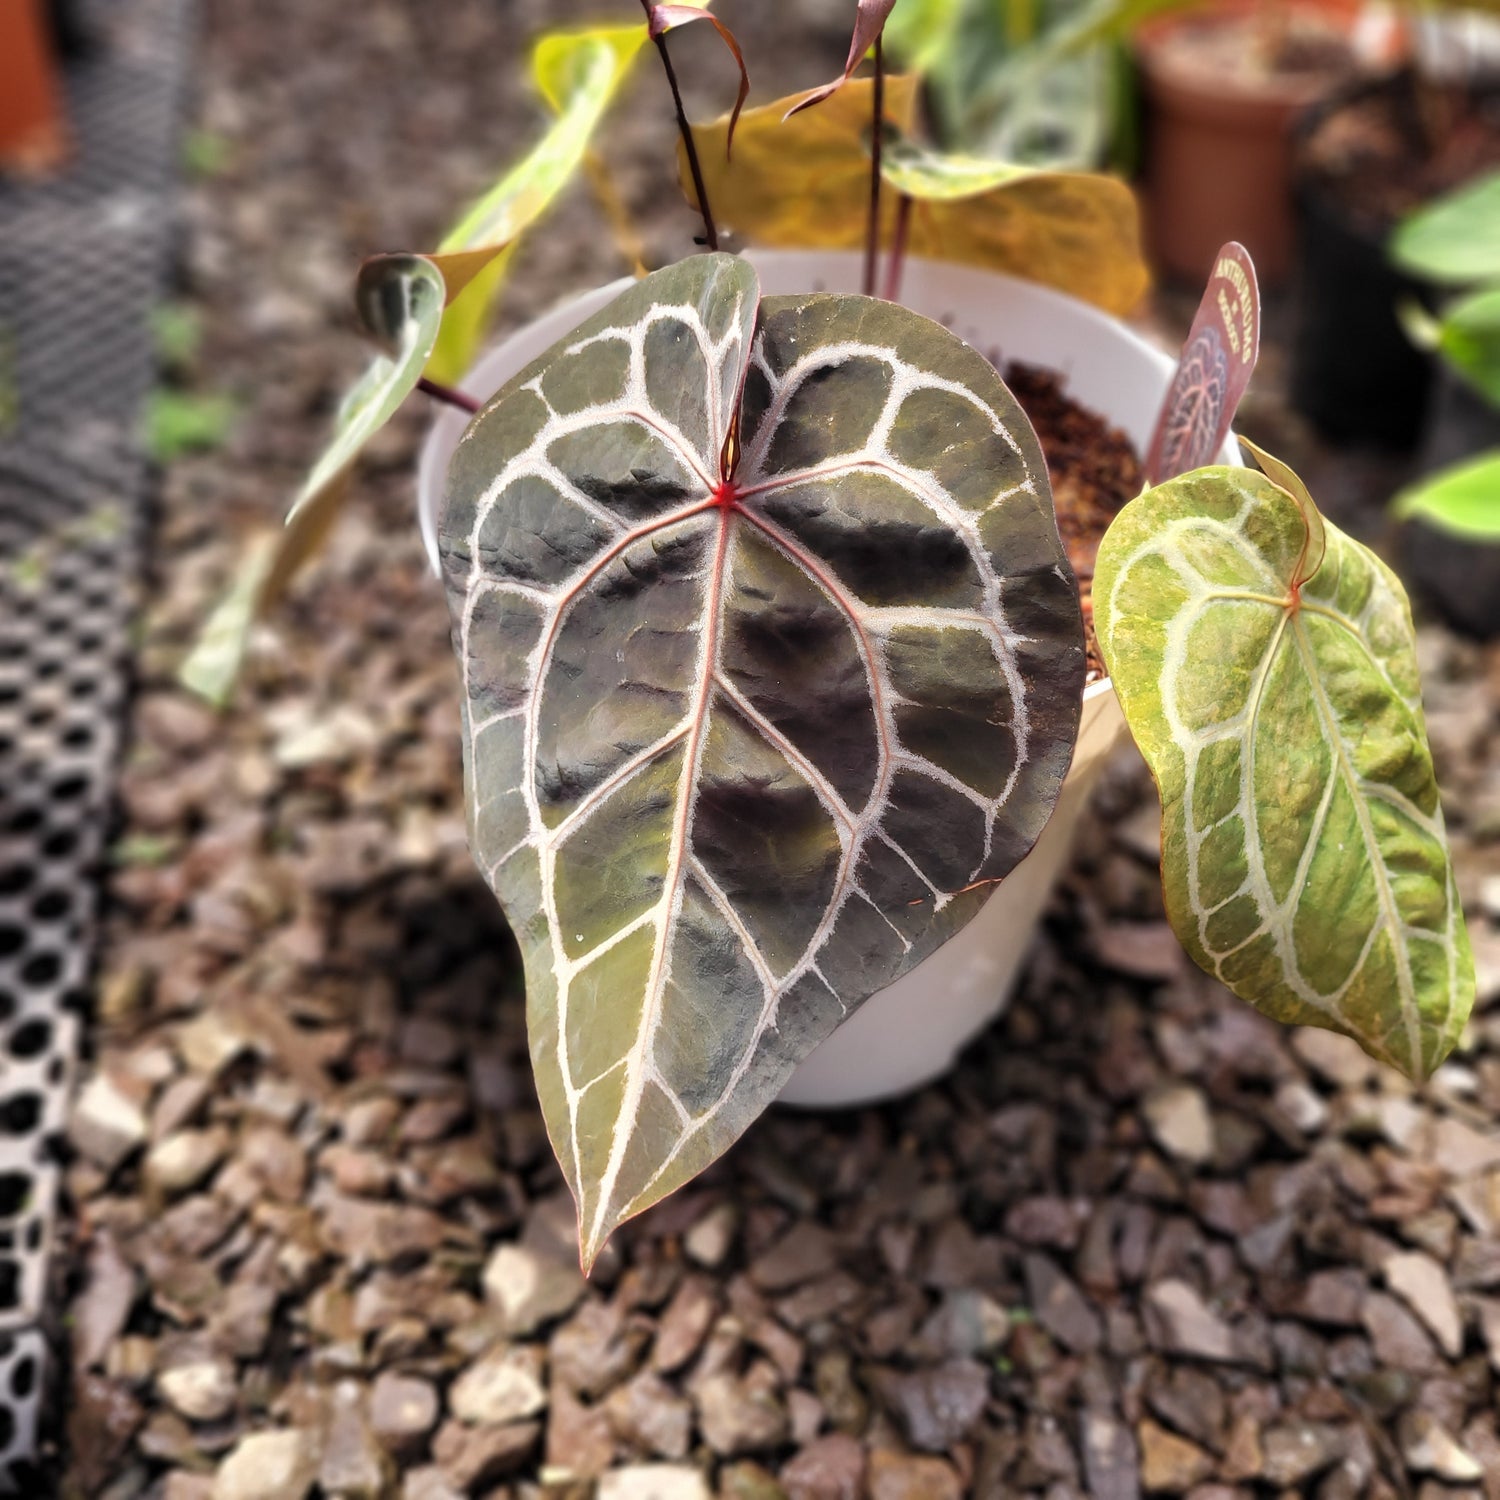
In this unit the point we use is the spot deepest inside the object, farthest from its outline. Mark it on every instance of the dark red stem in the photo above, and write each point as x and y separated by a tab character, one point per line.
896	261
446	393
872	230
710	234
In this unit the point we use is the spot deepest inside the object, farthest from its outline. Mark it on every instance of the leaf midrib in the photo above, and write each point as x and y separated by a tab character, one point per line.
1291	611
1391	912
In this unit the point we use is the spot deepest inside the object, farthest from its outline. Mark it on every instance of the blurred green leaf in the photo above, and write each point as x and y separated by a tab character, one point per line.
1463	499
145	849
179	422
213	665
919	31
177	329
1455	240
1469	339
205	153
10	385
400	299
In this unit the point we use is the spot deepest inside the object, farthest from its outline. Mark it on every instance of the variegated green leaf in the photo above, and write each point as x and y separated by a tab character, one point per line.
772	663
1266	666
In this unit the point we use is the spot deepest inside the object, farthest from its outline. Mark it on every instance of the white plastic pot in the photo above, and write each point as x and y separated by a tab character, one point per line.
910	1033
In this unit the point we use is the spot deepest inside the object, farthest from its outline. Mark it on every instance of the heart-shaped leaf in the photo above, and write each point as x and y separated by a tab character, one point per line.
805	183
1213	370
1267	669
772	665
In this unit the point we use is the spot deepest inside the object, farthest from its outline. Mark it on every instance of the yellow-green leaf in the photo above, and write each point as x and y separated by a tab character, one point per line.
803	182
1267	669
578	73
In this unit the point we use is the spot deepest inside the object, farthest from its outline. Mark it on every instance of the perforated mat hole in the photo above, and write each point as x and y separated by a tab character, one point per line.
12	939
31	1038
40	969
20	1114
14	879
23	1378
60	844
52	906
15	1189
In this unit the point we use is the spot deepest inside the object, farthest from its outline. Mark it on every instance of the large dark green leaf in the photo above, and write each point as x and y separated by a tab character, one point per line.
1266	665
741	751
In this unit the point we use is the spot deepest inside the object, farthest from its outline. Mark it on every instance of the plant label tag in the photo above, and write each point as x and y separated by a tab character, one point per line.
1216	364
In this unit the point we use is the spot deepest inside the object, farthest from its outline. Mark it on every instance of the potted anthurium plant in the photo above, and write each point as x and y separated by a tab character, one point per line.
774	659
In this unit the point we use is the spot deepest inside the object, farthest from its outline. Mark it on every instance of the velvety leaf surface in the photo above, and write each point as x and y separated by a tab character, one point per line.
740	754
804	182
1266	666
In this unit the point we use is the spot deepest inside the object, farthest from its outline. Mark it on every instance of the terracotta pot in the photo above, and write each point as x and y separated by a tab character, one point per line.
32	138
1218	149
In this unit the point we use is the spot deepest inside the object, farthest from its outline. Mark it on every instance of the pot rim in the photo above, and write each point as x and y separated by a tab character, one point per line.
1275	93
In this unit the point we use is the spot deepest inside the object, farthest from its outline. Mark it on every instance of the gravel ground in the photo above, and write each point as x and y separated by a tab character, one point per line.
1139	1242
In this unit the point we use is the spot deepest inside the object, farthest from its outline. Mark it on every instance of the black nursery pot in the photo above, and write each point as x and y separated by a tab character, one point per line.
1355	374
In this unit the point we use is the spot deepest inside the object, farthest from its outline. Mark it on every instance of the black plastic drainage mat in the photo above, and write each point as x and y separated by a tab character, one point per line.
83	259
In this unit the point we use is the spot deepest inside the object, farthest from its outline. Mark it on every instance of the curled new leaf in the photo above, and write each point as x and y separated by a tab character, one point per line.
804	183
742	747
665	18
1267	668
869	22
